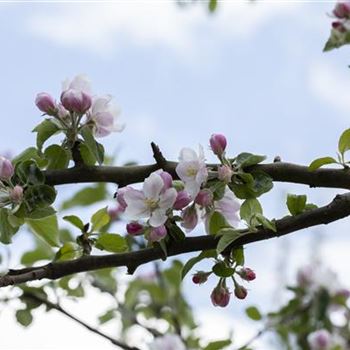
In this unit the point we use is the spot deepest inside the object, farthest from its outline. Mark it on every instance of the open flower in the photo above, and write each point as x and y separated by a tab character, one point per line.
103	116
229	207
192	170
79	83
152	201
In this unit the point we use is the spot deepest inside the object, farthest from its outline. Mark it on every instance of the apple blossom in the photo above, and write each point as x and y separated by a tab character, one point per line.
134	228
6	168
225	173
157	233
218	144
342	10
320	340
115	211
46	103
120	197
247	274
229	207
103	115
220	295
182	200
192	170
204	198
167	178
16	194
79	83
168	342
151	202
200	277
190	218
76	101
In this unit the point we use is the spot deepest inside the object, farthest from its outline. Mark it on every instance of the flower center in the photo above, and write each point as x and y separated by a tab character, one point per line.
151	203
191	172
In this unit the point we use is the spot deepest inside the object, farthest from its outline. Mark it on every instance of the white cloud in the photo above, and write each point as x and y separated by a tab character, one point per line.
103	28
331	85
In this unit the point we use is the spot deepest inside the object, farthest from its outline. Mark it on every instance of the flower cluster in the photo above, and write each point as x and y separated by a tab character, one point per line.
10	194
79	107
163	201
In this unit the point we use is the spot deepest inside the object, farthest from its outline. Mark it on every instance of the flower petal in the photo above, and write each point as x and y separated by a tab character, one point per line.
152	186
157	218
168	198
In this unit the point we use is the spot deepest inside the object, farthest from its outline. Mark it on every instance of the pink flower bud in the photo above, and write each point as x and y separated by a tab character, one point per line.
16	194
190	218
134	228
46	103
225	173
76	101
240	291
6	168
167	179
218	144
342	10
200	277
220	296
320	340
120	198
183	199
339	27
157	233
204	198
247	274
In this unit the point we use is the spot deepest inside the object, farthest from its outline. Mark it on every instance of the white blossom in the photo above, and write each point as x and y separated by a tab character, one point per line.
168	342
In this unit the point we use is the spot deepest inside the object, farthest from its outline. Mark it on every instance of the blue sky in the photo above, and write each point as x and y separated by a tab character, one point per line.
255	72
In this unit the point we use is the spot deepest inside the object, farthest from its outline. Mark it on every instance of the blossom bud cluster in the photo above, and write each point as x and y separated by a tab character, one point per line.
78	107
341	24
9	194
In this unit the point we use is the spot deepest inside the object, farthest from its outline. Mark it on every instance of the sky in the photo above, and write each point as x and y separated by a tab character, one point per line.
253	71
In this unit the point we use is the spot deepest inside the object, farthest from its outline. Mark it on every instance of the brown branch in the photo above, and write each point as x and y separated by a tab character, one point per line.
58	308
337	209
279	171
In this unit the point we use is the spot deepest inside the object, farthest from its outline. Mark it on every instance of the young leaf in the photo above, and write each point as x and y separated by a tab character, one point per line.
68	251
216	222
190	263
262	220
75	221
222	270
95	148
44	131
249	208
46	228
40	196
245	159
6	229
317	163
229	235
218	344
112	242
57	157
99	219
344	142
253	313
296	204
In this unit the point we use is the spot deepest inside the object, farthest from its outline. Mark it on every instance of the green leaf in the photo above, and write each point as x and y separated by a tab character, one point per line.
229	235
44	131
74	220
41	252
253	313
112	242
245	159
46	228
99	219
296	204
86	196
68	251
88	157
249	208
41	213
176	232
344	142
317	163
40	196
268	224
57	156
193	261
24	317
218	344
217	222
107	316
212	5
222	270
30	153
29	173
238	256
95	148
6	229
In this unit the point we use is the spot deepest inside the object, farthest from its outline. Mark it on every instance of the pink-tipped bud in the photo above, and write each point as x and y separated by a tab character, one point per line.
6	168
225	173
339	27
183	199
204	198
134	228
16	194
200	277
240	291
167	179
190	218
218	144
247	274
342	10
46	103
76	101
220	296
157	233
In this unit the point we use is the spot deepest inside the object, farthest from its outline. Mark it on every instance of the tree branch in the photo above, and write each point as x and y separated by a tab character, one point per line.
58	308
279	171
337	209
